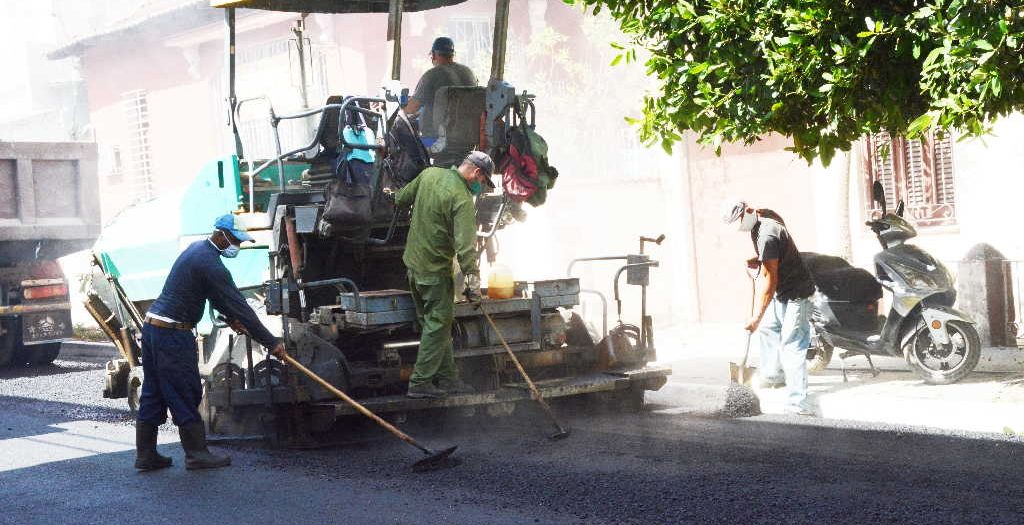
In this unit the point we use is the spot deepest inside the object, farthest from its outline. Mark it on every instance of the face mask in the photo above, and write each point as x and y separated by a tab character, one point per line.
476	188
231	251
748	221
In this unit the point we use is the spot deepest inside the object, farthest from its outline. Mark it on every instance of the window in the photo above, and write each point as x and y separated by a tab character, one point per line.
920	172
136	111
473	39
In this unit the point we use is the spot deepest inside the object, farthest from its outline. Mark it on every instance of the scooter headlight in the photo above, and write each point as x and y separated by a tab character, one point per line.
914	278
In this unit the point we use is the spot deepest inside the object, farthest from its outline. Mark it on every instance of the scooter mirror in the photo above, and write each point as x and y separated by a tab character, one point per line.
878	194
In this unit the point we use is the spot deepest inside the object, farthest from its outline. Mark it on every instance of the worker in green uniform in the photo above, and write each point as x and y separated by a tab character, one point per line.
443	228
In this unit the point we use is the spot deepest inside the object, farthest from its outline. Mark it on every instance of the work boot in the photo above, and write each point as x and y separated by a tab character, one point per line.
197	456
146	456
455	386
425	391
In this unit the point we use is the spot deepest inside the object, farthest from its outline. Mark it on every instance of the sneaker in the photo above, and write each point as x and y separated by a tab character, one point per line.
425	391
455	386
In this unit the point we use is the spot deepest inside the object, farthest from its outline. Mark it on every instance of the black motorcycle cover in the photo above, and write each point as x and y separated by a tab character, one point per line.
840	281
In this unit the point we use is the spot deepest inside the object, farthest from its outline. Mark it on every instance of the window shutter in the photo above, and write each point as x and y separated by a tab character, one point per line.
943	162
918	171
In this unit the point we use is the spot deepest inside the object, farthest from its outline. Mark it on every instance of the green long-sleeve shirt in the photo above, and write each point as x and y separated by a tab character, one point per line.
443	223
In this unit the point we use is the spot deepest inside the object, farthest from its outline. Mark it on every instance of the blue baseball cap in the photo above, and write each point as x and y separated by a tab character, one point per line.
227	222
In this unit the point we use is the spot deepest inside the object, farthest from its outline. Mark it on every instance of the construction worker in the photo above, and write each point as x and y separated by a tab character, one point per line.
169	351
782	306
446	72
443	227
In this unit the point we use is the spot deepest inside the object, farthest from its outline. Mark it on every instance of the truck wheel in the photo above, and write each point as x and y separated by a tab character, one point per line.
8	346
42	355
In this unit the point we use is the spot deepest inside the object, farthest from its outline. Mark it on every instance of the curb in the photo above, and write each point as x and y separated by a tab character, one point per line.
88	350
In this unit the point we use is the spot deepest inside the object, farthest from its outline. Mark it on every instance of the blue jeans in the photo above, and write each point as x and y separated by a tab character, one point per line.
785	333
170	361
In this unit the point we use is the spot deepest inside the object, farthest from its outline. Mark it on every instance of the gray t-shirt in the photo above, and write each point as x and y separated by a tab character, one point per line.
434	79
772	241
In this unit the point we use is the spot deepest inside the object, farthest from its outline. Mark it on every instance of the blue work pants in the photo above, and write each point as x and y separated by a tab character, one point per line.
171	366
785	333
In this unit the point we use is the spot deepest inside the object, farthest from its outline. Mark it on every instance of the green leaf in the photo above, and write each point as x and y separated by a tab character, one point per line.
616	60
865	34
776	106
933	56
983	44
924	12
869	23
697	69
916	52
825	87
919	124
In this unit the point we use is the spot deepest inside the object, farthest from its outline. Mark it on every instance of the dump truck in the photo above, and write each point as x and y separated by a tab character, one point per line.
49	207
336	288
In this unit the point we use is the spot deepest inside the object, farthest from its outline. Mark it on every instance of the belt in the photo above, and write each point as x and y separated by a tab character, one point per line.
164	324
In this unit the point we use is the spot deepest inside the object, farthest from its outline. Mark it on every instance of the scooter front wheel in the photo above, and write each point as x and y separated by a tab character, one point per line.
945	365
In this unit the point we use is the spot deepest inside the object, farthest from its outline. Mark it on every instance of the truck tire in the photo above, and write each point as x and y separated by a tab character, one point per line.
8	346
44	354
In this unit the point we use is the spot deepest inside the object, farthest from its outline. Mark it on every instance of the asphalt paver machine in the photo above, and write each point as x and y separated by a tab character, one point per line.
338	291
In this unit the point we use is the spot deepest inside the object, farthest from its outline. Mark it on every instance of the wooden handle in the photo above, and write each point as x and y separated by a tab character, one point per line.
356	405
522	371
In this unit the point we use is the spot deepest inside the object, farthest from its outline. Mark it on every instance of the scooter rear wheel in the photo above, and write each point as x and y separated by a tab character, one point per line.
945	366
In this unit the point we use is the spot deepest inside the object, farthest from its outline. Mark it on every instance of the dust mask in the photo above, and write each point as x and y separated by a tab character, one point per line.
231	251
747	221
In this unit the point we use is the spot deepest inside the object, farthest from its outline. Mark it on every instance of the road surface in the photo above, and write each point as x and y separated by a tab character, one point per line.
66	457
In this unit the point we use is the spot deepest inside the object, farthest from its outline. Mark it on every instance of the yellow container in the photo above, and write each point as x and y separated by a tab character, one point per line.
501	284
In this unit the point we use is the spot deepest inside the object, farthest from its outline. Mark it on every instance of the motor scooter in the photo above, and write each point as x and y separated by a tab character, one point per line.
939	342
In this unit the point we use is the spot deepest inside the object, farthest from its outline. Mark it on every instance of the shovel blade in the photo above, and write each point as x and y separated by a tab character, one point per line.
436	460
560	435
743	375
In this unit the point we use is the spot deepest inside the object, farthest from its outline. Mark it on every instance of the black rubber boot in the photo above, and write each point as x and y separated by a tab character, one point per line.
146	456
197	456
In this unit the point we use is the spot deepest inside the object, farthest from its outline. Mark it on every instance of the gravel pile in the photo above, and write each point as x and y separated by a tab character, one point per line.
740	401
73	390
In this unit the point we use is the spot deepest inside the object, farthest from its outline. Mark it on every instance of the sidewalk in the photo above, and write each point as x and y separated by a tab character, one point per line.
989	400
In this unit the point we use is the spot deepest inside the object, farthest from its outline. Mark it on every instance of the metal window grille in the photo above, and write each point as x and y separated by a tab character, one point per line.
136	112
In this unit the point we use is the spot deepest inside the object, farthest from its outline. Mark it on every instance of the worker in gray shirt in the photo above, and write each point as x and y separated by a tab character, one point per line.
782	306
446	72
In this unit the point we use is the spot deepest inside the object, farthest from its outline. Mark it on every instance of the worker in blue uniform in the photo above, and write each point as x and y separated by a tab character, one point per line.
170	353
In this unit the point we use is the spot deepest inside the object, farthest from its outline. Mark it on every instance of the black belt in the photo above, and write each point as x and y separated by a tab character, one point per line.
164	324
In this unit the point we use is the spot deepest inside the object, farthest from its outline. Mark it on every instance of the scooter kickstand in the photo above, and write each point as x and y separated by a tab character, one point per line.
842	364
874	371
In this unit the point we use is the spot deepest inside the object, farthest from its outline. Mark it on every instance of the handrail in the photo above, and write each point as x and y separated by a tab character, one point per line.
572	263
275	119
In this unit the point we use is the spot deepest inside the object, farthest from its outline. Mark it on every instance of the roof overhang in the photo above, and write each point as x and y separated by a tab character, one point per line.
333	6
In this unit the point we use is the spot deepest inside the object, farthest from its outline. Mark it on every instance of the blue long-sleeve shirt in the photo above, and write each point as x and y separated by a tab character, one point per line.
199	275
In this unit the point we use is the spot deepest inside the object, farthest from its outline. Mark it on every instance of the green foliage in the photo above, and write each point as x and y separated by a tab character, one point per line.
823	72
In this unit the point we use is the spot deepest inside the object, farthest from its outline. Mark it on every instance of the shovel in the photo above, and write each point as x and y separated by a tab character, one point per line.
741	373
433	461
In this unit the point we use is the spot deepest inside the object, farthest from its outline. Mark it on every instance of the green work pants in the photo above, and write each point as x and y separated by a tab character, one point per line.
434	297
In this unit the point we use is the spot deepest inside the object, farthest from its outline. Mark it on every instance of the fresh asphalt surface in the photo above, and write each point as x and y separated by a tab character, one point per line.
65	457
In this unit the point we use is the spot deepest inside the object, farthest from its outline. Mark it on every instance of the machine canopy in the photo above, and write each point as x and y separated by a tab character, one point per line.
333	6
